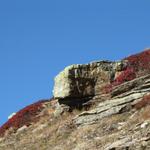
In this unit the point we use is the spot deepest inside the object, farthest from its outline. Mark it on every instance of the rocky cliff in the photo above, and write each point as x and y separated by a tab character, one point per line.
102	105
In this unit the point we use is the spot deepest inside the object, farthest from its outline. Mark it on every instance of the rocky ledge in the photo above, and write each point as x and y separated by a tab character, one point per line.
77	81
118	103
102	105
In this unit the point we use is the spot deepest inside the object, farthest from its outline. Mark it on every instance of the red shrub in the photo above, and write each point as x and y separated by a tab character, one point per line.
24	117
140	62
107	89
138	65
144	102
127	75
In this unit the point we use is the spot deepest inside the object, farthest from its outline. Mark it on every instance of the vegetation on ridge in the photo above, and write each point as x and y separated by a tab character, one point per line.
137	65
26	116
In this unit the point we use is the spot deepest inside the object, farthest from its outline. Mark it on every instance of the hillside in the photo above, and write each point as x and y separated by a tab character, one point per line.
102	105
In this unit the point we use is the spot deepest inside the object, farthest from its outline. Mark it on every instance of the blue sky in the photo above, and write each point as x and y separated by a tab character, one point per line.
38	38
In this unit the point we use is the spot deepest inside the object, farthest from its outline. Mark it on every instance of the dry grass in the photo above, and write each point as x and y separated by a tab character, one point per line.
59	133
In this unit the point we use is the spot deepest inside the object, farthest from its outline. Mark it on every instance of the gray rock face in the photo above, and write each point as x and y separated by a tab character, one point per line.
118	104
85	80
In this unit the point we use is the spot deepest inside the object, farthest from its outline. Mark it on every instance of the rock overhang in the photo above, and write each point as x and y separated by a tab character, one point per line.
82	80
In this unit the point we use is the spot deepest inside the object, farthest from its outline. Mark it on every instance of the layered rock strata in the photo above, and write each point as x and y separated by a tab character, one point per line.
123	99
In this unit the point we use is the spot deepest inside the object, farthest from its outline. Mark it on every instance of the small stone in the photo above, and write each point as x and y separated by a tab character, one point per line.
40	127
22	129
143	125
144	144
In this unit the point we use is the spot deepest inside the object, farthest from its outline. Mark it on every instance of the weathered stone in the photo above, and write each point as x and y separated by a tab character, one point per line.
84	80
60	109
136	84
22	129
119	104
120	65
143	125
123	144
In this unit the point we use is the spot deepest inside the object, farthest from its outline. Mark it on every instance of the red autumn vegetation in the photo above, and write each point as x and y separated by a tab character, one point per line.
144	102
138	65
140	62
26	116
127	75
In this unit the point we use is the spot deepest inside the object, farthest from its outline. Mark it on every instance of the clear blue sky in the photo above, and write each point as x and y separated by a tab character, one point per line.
38	38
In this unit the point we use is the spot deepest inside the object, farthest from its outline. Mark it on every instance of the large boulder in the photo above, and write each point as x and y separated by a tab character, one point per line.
78	81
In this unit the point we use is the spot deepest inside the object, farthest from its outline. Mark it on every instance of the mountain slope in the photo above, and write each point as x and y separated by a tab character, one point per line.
101	106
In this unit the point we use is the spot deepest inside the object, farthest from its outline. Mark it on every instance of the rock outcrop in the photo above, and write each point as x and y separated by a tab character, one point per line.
76	85
77	81
100	106
119	103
